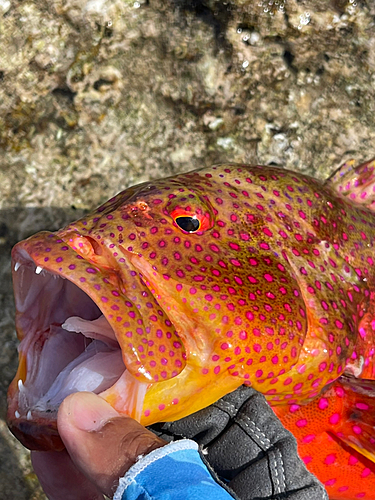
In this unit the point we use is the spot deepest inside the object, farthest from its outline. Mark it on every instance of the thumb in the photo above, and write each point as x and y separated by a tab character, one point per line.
102	443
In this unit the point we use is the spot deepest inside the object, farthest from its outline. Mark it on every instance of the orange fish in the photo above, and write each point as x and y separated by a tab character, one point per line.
176	292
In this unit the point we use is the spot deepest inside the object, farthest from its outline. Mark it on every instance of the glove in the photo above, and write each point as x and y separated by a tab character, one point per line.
248	449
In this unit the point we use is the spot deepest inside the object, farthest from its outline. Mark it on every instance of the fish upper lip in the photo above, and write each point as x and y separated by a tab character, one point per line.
119	294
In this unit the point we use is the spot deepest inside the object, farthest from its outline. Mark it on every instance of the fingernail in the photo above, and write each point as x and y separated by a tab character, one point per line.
87	411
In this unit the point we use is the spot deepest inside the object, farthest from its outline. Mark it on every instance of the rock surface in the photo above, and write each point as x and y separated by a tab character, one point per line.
96	95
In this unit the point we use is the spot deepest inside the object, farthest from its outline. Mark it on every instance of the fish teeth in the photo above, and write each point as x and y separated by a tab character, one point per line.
17	414
38	270
28	415
17	266
22	395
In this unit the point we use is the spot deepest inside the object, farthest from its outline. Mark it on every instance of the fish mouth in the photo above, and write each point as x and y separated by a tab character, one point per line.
67	345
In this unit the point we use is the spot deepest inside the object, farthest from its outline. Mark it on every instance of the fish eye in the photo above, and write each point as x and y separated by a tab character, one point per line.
188	224
190	215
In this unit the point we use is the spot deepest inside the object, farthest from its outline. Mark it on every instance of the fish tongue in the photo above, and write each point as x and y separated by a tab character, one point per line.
98	329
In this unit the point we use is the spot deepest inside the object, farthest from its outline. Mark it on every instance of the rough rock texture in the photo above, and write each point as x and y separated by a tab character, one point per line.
96	95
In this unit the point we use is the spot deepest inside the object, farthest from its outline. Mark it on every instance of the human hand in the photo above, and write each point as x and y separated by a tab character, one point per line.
244	441
101	445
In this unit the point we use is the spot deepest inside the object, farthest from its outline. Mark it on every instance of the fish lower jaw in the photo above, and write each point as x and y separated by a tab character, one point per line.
35	424
32	416
33	406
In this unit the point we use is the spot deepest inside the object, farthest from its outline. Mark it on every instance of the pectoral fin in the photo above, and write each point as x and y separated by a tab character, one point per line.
345	472
346	411
357	421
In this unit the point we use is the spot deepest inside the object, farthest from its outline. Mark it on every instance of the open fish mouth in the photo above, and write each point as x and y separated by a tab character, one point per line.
67	346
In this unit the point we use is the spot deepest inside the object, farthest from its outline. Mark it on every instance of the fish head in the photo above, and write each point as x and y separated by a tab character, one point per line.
162	301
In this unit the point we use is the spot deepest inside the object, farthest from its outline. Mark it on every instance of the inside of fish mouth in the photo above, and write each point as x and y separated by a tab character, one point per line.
69	345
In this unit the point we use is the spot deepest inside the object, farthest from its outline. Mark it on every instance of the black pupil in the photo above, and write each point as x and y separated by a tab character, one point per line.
188	224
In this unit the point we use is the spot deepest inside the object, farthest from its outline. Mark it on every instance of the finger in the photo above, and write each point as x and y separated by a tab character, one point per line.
60	478
102	443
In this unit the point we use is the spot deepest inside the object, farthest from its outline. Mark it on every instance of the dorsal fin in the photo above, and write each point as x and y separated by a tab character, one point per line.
356	183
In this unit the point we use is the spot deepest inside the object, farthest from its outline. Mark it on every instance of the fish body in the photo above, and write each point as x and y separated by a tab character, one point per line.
177	291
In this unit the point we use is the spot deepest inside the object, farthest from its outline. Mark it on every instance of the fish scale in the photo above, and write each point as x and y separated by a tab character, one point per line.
272	285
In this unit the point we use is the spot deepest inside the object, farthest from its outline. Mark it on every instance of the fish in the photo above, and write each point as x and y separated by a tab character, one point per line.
177	291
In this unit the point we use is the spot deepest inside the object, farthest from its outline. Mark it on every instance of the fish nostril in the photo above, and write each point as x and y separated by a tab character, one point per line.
138	208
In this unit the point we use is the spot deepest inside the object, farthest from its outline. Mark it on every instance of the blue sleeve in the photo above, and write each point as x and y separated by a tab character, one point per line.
172	472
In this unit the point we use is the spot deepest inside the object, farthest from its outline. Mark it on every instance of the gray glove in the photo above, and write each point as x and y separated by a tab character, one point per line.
247	447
